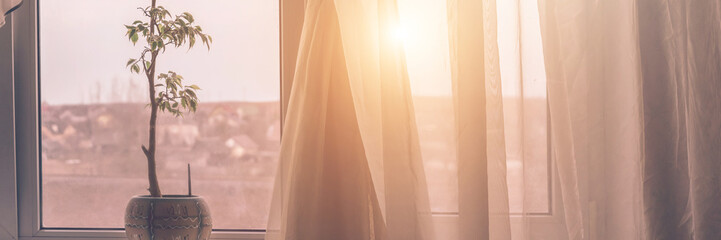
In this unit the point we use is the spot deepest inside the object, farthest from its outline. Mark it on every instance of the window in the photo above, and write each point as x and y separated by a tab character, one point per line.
57	158
94	119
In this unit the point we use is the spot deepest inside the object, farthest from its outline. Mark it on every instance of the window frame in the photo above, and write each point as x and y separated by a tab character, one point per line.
8	187
550	172
25	65
22	175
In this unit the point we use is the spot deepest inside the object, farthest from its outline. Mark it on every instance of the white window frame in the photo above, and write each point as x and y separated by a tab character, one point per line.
23	219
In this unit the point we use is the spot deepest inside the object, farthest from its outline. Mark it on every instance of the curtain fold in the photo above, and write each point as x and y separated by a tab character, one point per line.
468	78
350	157
619	200
635	87
566	58
478	102
680	52
7	6
592	63
325	189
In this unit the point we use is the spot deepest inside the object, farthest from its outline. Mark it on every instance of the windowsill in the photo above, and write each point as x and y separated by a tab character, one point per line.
120	234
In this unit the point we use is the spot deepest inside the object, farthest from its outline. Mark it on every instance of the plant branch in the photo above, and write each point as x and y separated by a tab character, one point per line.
154	187
176	97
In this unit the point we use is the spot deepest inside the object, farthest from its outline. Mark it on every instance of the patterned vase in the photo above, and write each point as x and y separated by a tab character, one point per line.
171	217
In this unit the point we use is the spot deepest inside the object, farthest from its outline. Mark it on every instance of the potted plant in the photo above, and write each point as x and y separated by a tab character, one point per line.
158	216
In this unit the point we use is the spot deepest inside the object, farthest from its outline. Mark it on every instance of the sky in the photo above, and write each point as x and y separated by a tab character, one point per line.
83	53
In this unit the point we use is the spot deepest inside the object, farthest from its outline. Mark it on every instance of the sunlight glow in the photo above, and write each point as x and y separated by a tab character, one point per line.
423	31
400	34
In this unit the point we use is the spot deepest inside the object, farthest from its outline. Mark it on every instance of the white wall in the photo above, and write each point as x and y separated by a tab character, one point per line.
8	196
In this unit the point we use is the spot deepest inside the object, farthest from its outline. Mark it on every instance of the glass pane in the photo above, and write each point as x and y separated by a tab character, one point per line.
525	108
94	119
424	32
535	109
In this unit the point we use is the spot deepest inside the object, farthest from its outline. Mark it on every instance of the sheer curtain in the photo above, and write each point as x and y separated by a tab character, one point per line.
592	65
680	54
355	163
398	124
429	119
634	86
351	166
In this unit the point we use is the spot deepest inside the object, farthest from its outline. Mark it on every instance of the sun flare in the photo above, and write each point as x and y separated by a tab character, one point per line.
400	34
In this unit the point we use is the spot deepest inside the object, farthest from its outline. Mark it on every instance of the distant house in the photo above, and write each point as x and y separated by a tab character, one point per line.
178	134
242	147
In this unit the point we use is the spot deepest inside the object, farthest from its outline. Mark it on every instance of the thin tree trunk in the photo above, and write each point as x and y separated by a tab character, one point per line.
154	187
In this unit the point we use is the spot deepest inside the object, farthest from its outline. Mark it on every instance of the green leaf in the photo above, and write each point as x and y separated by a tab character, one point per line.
205	40
130	61
194	87
189	17
135	68
193	105
191	93
134	37
192	41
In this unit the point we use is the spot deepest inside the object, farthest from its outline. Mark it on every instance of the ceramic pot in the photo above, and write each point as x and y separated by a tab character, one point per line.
169	217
